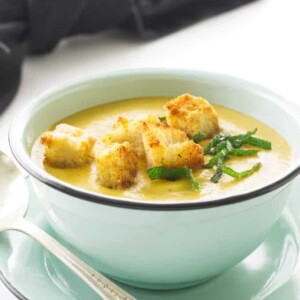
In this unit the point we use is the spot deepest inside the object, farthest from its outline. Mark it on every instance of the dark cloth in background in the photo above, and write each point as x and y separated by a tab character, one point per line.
36	26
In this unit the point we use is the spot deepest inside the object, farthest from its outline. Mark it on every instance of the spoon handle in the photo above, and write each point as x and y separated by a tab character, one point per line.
100	284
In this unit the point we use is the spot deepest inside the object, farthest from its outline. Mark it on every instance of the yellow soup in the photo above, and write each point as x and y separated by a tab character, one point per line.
99	120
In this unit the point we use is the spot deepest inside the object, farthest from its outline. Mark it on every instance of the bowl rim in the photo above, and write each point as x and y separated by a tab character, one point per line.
51	181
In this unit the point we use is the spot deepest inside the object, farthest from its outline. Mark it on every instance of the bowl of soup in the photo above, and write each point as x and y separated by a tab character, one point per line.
174	231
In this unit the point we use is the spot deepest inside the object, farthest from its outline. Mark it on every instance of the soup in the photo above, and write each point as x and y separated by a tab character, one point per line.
98	121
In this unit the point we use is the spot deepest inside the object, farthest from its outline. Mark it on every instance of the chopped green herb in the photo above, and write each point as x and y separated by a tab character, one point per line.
238	140
243	174
243	152
221	155
199	136
218	142
222	136
172	174
162	119
254	141
217	176
221	146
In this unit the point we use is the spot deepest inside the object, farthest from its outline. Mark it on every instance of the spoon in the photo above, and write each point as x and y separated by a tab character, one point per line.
13	207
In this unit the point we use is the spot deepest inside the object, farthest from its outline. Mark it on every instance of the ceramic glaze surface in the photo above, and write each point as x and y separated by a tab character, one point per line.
32	271
207	242
167	245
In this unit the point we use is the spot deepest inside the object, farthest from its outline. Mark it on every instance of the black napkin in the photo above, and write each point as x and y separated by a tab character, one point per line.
36	26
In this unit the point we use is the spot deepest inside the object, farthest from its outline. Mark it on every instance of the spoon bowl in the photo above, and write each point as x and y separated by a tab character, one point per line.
13	206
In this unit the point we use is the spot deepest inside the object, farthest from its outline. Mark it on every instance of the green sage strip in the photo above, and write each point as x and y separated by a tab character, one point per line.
217	176
243	152
220	157
221	146
162	172
238	140
239	175
214	142
254	141
217	143
199	136
162	119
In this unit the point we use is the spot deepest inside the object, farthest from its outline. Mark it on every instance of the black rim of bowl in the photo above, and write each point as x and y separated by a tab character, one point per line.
151	205
127	203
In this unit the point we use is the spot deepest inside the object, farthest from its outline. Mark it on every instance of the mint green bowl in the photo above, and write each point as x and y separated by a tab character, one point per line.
145	243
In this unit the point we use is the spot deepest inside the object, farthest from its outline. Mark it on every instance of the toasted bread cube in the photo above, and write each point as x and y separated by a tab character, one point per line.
67	146
116	165
192	114
130	131
170	147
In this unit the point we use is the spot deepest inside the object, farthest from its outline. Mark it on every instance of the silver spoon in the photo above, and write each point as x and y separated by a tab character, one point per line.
13	207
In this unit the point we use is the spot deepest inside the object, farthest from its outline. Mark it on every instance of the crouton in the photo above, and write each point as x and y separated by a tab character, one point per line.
170	147
192	114
130	131
116	165
67	146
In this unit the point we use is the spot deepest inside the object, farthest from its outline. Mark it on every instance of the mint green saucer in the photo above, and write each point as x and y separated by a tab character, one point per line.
31	272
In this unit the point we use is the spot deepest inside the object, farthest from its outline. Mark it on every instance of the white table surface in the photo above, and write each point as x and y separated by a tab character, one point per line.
259	42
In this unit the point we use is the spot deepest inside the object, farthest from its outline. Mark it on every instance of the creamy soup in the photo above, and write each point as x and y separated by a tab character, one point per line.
99	120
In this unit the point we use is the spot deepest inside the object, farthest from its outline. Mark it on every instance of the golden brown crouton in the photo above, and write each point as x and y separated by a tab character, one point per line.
116	165
192	114
170	147
130	131
67	146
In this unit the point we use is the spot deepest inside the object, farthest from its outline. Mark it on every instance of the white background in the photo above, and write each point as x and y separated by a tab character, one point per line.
259	42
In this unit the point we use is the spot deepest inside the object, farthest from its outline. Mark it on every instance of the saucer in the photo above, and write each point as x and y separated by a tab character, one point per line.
31	272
